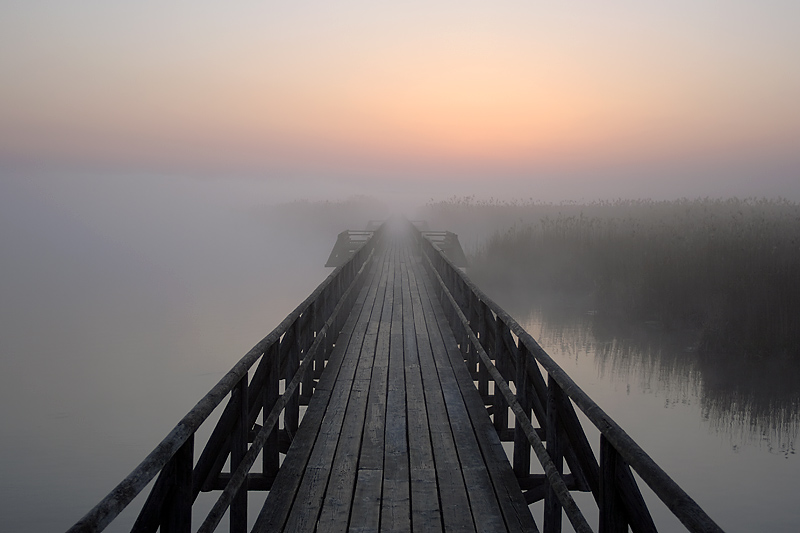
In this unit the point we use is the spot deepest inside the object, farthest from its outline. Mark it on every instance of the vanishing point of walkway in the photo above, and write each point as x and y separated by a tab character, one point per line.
396	436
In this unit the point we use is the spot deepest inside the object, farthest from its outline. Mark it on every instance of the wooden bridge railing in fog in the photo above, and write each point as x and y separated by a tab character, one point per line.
497	349
292	355
412	378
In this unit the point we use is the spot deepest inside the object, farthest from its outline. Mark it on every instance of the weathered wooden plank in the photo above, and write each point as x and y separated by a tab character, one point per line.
256	481
366	511
278	505
395	511
366	514
453	500
375	419
338	495
425	513
311	491
373	438
486	512
509	497
315	473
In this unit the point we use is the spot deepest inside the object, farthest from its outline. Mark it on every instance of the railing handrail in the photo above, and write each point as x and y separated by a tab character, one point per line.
673	496
132	485
238	477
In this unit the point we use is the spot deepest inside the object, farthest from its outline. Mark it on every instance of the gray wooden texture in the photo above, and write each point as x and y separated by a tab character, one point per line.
395	437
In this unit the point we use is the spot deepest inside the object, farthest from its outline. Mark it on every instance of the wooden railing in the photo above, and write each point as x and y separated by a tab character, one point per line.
497	349
290	358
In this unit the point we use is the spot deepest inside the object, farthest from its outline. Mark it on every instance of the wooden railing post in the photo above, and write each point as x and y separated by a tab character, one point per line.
177	516
292	412
471	312
270	454
323	312
501	359
308	333
612	515
522	448
239	440
552	507
483	372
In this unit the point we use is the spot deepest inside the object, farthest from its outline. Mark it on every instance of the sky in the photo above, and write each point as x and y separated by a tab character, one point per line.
564	101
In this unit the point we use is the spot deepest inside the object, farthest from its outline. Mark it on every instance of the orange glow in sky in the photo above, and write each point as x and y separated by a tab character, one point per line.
440	83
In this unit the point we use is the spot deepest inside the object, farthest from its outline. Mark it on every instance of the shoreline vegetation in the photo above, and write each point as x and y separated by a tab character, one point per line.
724	274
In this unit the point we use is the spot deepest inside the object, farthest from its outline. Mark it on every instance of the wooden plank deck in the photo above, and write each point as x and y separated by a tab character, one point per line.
396	437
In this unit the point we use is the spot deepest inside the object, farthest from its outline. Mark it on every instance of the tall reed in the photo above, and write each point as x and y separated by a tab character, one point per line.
726	271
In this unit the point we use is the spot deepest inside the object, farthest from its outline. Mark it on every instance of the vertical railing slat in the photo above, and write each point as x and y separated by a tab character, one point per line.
552	506
270	454
239	438
636	511
150	516
292	409
501	362
483	372
177	516
308	334
612	517
522	448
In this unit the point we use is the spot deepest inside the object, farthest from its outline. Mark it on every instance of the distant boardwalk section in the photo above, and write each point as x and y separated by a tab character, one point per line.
382	404
396	437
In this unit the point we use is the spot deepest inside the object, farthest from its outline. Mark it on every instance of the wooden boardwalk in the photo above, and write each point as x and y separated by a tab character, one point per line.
396	436
411	377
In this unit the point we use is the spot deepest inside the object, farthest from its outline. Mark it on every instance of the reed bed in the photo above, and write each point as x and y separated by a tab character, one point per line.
729	267
723	272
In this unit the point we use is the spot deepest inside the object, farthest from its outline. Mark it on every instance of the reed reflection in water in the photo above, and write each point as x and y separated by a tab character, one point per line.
727	439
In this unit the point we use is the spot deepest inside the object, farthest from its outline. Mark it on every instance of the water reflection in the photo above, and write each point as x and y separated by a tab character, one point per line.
727	440
753	400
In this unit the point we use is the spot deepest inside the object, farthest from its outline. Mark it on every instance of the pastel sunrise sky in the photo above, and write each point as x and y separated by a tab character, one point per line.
567	100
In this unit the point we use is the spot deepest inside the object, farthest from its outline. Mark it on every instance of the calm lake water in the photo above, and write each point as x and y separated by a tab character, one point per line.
738	465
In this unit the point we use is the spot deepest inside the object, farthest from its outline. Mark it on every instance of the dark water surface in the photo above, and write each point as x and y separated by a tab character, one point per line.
731	449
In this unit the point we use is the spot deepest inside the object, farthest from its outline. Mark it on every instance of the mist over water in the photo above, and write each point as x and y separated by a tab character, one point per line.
126	297
124	300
